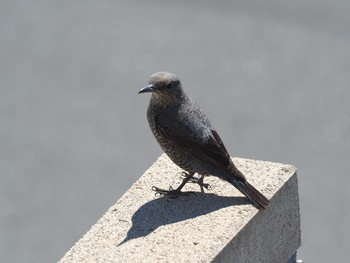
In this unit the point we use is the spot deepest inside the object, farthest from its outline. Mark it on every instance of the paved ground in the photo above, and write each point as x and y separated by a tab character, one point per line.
273	77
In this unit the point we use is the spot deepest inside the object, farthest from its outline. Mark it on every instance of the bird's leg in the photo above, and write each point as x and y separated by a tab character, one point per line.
171	193
199	181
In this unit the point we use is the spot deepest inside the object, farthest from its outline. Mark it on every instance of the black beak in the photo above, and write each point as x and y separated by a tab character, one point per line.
148	88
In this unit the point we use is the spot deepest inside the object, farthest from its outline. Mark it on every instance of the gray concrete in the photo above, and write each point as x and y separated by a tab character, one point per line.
220	226
273	77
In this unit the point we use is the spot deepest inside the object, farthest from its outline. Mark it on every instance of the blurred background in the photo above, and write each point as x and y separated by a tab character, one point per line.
273	77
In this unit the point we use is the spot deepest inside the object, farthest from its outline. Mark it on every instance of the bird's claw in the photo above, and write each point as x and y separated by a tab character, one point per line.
196	180
171	193
185	175
206	186
161	192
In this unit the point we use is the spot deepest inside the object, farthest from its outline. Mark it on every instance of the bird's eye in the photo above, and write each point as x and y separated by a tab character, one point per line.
169	85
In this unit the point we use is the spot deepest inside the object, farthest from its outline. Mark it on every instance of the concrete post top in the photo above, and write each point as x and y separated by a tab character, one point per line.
196	228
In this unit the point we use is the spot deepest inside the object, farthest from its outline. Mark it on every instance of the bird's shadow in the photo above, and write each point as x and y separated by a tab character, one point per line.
161	211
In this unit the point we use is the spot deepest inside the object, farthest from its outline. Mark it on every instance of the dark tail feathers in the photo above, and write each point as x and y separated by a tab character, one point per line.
257	198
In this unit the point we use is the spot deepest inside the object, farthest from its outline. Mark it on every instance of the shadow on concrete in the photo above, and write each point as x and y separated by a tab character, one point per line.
163	211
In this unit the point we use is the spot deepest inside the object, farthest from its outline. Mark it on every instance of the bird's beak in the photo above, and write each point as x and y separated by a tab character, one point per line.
148	88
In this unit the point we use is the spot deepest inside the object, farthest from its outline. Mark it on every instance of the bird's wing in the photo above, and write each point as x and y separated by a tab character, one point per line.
211	151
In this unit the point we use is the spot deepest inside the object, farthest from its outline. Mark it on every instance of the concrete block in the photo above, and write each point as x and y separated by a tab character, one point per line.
218	226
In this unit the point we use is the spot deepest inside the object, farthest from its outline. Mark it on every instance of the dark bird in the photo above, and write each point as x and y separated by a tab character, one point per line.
186	135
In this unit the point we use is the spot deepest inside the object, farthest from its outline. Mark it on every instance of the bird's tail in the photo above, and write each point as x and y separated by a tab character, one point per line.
257	198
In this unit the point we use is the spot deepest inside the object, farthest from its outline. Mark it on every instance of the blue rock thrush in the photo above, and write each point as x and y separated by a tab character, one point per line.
186	135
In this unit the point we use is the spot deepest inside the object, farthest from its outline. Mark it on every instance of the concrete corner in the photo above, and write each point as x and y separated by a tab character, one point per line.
218	226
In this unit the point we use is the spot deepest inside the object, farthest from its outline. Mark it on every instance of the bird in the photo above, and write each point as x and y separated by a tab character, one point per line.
189	139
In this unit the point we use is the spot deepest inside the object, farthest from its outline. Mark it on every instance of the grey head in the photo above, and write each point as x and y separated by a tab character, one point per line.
165	88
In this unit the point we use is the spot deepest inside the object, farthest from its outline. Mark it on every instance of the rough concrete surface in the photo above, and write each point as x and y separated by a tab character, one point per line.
210	227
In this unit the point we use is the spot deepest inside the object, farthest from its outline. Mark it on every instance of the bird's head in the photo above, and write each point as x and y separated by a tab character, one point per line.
165	87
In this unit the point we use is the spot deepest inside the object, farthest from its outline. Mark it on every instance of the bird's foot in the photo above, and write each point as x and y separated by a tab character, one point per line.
199	181
202	184
171	193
